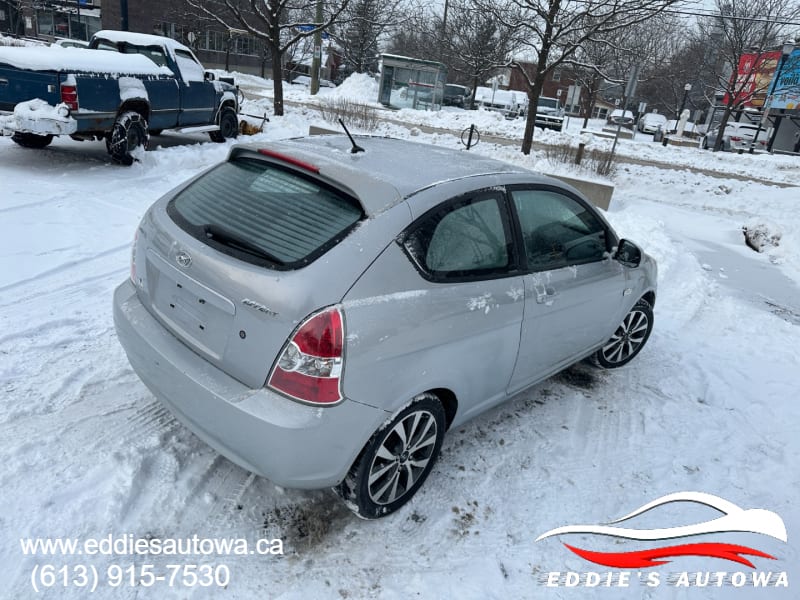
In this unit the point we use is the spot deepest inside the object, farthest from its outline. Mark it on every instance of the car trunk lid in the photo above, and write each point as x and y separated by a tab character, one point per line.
214	288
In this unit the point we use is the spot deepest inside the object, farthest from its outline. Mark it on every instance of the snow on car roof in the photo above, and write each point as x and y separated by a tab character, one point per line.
140	39
57	58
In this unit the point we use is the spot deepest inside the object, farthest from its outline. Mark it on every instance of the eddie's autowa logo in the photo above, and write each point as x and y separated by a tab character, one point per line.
734	519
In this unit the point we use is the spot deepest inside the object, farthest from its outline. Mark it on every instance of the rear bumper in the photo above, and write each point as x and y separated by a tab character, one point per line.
38	117
291	444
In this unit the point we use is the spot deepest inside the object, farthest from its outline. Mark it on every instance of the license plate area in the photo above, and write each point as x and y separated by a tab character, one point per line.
192	311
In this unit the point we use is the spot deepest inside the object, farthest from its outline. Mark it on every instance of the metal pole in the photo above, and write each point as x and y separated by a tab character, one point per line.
316	61
123	13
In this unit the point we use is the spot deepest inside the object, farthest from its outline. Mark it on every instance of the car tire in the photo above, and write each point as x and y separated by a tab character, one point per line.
384	476
127	136
31	140
629	338
228	126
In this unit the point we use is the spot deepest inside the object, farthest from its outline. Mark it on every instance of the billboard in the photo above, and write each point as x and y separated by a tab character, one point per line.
753	77
786	90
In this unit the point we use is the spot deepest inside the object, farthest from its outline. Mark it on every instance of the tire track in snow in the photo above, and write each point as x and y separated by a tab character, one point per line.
65	266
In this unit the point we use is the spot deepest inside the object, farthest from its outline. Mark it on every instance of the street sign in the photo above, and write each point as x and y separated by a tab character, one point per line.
310	27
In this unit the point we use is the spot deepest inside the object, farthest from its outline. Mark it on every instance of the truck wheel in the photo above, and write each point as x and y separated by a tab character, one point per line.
228	126
32	140
127	136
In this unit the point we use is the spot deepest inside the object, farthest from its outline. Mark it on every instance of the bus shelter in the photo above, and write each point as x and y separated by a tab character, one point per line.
411	83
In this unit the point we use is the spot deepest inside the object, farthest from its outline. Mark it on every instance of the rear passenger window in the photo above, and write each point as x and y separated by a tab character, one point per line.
264	214
467	239
557	230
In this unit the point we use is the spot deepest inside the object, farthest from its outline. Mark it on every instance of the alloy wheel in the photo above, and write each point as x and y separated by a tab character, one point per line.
628	337
402	457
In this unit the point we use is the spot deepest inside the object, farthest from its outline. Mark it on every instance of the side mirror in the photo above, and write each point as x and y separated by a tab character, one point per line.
628	253
208	76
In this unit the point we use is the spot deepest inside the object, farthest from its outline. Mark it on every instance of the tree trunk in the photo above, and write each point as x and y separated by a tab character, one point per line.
475	81
726	115
533	101
277	80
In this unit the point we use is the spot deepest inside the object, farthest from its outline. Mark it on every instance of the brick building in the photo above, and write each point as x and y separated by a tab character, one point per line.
560	84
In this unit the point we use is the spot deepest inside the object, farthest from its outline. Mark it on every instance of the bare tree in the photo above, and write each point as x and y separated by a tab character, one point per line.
361	27
280	24
474	43
604	64
745	31
552	31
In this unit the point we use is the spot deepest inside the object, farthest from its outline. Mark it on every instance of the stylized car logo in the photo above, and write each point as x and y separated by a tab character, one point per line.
183	259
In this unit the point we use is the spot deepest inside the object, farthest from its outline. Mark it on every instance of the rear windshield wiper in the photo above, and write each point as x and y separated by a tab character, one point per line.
227	237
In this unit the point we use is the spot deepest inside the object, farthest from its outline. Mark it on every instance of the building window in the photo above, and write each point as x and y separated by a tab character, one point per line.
557	75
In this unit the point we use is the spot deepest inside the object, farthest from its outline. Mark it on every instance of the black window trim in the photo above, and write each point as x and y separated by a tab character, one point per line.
501	197
199	234
610	235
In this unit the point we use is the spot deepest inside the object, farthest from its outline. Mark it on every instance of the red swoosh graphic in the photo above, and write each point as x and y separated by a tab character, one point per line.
650	558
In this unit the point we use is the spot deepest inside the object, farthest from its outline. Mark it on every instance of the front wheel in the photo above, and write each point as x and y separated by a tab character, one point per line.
127	137
228	126
31	140
629	338
396	461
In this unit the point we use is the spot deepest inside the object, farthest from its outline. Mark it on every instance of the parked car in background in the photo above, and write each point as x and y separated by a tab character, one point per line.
651	122
339	311
621	117
123	88
456	95
70	43
549	113
511	104
737	136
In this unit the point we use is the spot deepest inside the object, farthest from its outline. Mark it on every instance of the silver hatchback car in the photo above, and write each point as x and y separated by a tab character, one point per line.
321	316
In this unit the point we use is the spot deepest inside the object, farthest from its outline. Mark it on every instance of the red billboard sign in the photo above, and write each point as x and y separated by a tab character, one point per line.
753	77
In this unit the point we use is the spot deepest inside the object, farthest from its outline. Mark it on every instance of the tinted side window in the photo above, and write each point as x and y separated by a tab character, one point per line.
557	230
466	239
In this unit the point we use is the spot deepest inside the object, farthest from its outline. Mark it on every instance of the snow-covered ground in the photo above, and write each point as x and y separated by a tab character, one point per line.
710	405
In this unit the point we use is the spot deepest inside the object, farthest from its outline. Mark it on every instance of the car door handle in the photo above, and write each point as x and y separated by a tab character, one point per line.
546	296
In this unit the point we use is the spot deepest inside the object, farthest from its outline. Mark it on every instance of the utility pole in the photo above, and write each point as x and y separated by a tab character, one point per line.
123	10
316	61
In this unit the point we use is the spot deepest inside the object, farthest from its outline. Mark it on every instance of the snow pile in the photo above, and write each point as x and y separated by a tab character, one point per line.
761	236
358	86
10	41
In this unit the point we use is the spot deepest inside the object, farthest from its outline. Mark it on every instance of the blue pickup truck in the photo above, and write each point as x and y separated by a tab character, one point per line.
121	89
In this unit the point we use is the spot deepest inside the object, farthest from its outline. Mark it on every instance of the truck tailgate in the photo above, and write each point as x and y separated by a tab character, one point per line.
18	85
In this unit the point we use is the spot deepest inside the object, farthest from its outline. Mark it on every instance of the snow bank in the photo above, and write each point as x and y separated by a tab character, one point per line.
359	86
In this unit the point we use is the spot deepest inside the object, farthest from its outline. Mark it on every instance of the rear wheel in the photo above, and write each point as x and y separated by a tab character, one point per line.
127	137
629	338
32	140
396	461
228	126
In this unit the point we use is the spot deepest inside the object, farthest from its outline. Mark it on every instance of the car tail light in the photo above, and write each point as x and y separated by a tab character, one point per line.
736	138
309	367
69	96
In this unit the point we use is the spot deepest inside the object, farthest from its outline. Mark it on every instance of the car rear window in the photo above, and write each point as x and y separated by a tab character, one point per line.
264	214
